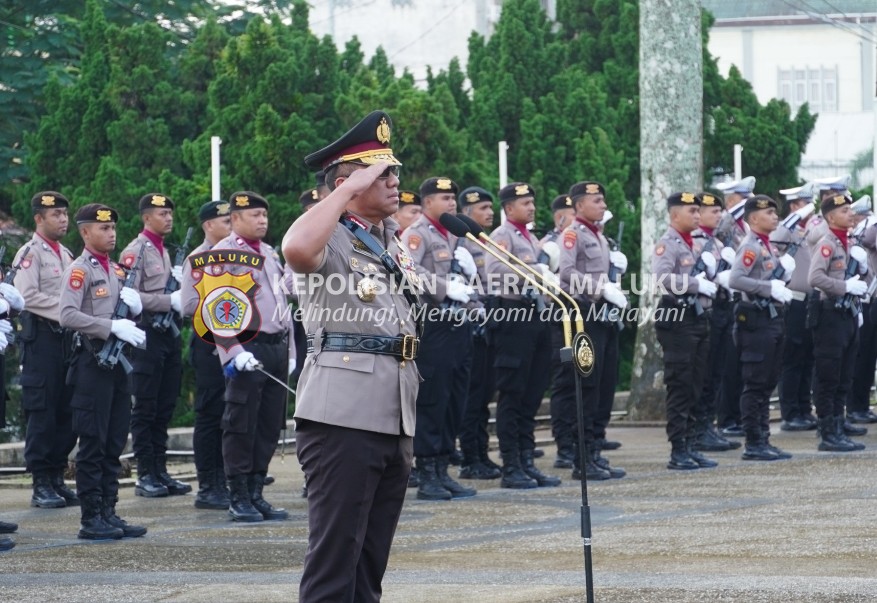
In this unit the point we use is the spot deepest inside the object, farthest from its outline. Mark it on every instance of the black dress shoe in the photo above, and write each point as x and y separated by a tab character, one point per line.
795	424
862	417
6	544
609	445
7	527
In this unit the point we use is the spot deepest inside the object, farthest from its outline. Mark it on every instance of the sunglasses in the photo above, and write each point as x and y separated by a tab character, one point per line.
392	170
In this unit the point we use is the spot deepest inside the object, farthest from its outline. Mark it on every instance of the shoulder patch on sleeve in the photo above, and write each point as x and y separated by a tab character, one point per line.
128	259
77	278
569	238
27	261
825	251
660	249
414	242
748	257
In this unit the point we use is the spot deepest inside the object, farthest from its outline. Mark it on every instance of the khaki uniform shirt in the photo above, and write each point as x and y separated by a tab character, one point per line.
480	257
372	392
39	278
816	228
828	267
503	281
188	293
781	237
672	262
432	254
584	262
730	228
753	266
89	295
155	268
869	242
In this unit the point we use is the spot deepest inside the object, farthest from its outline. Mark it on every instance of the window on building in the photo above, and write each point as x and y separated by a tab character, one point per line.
815	86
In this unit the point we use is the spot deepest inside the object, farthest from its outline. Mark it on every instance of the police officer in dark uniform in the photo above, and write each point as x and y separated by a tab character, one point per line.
45	398
92	287
158	368
215	218
758	328
445	355
835	320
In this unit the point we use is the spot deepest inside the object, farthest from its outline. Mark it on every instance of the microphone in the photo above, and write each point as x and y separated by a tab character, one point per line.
477	231
460	228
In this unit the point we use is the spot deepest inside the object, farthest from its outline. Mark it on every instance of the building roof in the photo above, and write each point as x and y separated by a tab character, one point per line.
744	10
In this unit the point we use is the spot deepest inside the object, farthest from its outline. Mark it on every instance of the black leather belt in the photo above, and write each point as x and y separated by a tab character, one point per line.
266	338
403	347
45	323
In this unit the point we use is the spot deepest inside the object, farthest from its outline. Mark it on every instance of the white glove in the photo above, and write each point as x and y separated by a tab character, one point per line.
466	261
723	279
728	254
291	369
549	279
788	263
552	250
607	215
855	286
619	260
176	304
459	291
612	294
859	254
128	332
5	327
3	343
177	273
709	260
805	211
780	292
860	319
245	361
11	295
4	307
132	300
705	286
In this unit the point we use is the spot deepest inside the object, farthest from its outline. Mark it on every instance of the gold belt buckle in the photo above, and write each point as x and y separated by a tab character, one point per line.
410	343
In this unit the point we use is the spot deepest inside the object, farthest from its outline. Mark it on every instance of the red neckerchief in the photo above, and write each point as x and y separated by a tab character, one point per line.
686	236
842	235
764	239
709	231
55	245
103	260
522	228
254	244
155	239
592	227
740	224
442	230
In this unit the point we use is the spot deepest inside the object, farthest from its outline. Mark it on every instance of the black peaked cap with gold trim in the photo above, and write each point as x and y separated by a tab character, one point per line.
213	209
472	195
757	203
588	187
835	201
242	200
96	213
48	200
438	185
711	200
155	201
514	191
683	199
366	143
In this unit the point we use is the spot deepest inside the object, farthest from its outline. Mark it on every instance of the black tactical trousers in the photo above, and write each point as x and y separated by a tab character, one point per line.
797	370
720	323
759	340
45	399
156	379
209	404
728	403
835	342
474	436
685	343
598	389
866	358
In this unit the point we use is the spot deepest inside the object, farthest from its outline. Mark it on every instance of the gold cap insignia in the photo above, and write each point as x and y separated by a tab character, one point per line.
762	204
104	215
472	197
222	209
592	189
839	200
241	201
406	197
443	184
568	201
687	198
708	200
383	131
522	190
315	195
158	200
47	200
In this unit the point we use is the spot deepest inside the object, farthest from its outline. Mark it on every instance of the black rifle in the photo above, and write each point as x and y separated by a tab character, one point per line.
779	272
615	246
699	266
849	301
165	320
113	351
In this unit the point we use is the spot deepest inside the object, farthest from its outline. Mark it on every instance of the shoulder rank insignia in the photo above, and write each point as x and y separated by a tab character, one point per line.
748	258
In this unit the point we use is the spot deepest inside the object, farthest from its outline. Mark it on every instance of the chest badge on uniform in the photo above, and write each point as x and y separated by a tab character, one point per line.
101	292
367	289
748	258
407	265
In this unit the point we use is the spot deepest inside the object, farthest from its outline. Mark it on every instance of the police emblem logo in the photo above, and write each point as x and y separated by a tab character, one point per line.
568	202
414	242
383	131
839	200
687	198
242	201
104	215
583	354
592	189
522	190
748	258
223	209
26	262
472	197
158	201
825	251
367	289
444	184
226	314
406	197
569	239
77	278
762	204
47	200
660	249
128	260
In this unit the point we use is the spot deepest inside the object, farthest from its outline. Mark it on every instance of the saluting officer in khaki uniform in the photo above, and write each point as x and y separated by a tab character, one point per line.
585	261
836	319
215	219
45	398
93	286
758	329
681	265
255	405
355	411
158	368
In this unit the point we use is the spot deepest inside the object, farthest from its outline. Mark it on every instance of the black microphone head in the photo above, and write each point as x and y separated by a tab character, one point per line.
454	225
473	226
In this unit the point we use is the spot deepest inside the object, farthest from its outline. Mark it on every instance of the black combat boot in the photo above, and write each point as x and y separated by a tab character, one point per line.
44	495
6	544
93	526
174	487
679	457
473	468
221	484
781	454
148	484
209	496
829	440
756	449
513	475
709	440
530	468
7	527
413	479
61	489
488	462
108	512
603	463
843	434
696	456
456	489
853	430
431	487
255	482
566	451
593	472
240	506
605	444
